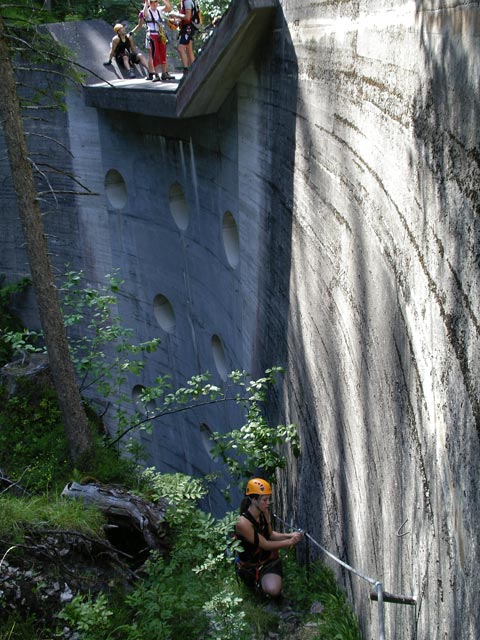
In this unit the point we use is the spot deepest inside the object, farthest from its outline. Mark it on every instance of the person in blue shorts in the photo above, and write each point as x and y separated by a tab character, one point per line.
185	38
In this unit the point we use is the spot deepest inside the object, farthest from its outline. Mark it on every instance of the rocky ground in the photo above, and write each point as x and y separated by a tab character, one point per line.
44	573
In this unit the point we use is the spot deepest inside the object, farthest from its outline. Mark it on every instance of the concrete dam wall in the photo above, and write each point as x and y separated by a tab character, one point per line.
324	217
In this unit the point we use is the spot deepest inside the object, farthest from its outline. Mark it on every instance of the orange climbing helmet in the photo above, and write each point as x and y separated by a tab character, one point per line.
117	27
258	486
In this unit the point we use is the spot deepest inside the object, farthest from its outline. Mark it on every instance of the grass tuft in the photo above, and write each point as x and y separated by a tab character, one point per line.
44	512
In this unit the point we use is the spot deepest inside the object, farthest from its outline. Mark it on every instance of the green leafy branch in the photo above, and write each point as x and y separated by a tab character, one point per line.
256	444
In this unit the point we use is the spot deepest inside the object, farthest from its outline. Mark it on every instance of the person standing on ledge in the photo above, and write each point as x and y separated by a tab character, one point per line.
258	565
124	51
185	38
157	40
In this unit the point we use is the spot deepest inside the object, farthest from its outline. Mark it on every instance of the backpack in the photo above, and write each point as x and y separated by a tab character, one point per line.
196	15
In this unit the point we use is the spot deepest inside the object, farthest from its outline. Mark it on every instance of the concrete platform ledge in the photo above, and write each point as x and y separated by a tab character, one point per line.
215	72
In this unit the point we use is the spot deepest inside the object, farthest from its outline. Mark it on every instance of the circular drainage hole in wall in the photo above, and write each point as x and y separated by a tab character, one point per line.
164	313
207	440
231	241
115	189
219	357
147	409
178	206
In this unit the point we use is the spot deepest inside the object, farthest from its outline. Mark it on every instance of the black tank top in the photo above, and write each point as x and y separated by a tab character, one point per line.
122	47
252	552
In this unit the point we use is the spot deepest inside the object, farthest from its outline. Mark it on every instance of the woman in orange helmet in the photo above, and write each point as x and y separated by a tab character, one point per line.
258	565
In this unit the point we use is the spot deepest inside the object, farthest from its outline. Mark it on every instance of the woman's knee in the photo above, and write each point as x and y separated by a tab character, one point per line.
272	585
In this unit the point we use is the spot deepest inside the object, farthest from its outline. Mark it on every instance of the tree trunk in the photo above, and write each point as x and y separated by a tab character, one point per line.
76	424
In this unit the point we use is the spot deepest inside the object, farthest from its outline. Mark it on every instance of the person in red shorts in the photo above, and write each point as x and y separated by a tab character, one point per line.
157	40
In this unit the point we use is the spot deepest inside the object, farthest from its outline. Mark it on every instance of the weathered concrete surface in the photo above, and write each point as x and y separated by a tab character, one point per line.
348	154
376	217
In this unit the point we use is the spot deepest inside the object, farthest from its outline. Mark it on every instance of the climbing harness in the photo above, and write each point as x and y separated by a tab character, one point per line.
251	570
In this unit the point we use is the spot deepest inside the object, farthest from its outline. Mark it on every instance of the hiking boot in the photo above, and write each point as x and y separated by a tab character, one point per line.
156	78
150	76
131	74
166	76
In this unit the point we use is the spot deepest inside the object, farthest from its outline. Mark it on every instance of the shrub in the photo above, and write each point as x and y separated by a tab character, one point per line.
316	584
33	448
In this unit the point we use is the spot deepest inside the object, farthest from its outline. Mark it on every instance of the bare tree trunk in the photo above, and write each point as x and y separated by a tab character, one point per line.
77	428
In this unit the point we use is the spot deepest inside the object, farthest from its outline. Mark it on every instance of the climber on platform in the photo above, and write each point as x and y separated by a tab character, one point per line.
258	565
124	51
153	17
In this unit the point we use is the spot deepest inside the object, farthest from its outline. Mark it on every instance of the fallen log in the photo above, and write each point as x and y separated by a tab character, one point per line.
135	525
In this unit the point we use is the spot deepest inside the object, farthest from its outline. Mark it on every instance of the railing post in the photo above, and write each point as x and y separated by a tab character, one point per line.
307	557
381	627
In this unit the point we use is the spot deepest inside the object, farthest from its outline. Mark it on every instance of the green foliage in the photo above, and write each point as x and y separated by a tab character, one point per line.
256	444
33	448
7	635
167	603
197	534
24	627
306	585
31	47
9	323
111	11
104	353
104	356
337	620
213	9
92	619
22	343
182	492
109	466
227	620
191	594
316	584
37	12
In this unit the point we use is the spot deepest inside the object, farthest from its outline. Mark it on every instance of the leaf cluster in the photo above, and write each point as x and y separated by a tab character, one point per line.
102	349
33	49
33	447
105	355
256	444
9	322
